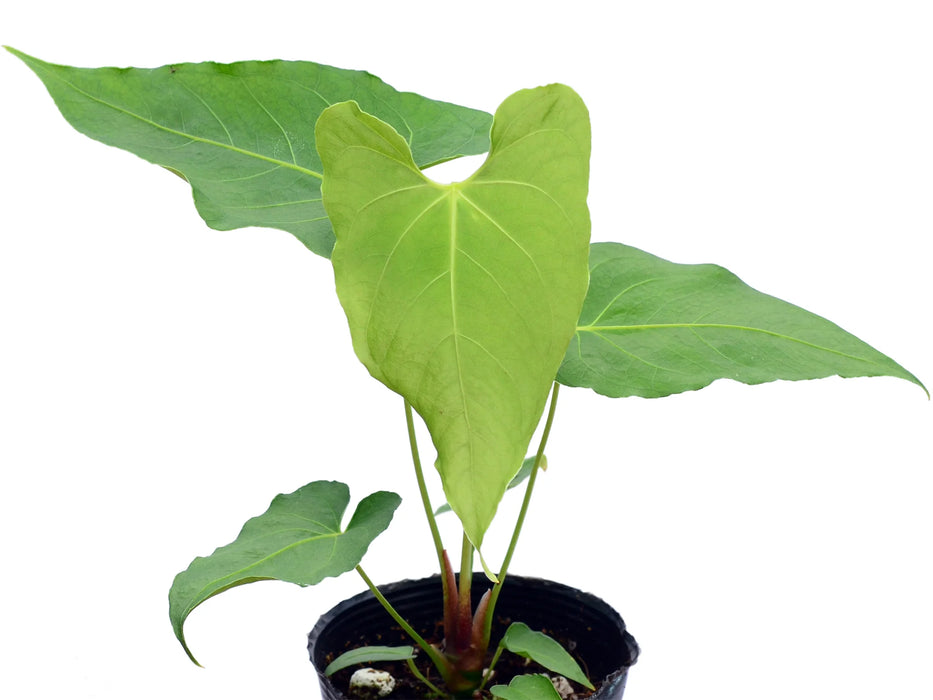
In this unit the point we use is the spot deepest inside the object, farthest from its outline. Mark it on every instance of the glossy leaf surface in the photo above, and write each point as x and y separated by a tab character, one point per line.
242	134
537	646
651	328
367	655
463	297
527	687
299	539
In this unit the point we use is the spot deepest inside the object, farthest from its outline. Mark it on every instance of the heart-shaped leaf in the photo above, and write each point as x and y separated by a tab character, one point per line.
520	639
242	134
532	686
651	328
298	539
463	297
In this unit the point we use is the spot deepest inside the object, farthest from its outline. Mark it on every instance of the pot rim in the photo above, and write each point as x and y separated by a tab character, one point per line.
612	682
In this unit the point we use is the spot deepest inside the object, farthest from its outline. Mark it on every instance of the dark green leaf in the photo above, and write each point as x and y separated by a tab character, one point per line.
650	328
527	687
367	655
298	539
537	646
242	134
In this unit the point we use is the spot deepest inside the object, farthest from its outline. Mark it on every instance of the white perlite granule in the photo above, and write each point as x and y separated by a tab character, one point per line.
370	683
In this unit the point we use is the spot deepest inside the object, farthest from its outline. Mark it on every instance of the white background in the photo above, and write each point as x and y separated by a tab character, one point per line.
160	381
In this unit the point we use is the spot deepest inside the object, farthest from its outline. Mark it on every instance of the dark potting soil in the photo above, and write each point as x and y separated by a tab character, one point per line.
407	687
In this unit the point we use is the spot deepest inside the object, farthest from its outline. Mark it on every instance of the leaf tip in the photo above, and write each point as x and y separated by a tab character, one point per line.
193	660
178	623
16	52
926	391
184	645
486	570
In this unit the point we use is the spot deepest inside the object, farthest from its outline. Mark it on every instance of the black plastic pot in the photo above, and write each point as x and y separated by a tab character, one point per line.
596	631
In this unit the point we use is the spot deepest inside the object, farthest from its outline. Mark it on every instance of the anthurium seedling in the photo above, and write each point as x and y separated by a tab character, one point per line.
475	301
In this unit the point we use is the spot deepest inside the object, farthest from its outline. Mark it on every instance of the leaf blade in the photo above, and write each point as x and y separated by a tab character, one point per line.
523	473
459	297
362	655
520	639
242	134
532	686
652	328
298	539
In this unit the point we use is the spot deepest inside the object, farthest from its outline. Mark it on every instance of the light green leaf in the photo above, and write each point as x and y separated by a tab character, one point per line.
537	646
527	687
523	474
242	134
463	297
367	655
650	328
298	539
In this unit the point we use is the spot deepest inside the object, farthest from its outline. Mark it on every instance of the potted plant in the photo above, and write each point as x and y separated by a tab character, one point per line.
475	301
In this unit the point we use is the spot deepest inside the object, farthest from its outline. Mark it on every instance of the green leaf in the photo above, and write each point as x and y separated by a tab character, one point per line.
463	297
523	473
298	539
527	687
537	646
651	328
242	134
366	655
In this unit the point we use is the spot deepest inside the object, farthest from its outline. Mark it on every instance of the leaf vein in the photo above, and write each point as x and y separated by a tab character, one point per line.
505	233
388	260
288	140
722	326
209	142
274	205
619	296
208	108
518	183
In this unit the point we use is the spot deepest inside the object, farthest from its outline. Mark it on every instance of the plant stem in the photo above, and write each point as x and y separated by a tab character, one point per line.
487	630
436	657
426	502
492	665
419	474
465	617
421	677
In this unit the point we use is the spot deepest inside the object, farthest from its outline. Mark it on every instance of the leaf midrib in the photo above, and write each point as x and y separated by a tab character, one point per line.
723	326
455	195
235	576
192	137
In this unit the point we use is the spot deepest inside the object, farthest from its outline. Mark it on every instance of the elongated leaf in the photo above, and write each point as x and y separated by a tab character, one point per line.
463	297
537	646
242	134
366	655
650	328
298	539
532	686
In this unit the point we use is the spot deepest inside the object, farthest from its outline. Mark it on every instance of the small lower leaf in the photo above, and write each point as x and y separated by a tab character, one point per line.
366	655
298	539
537	646
528	687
